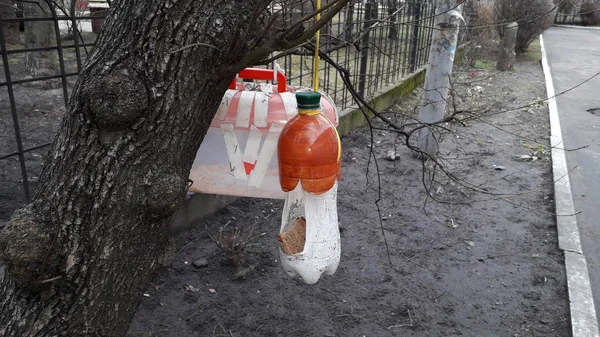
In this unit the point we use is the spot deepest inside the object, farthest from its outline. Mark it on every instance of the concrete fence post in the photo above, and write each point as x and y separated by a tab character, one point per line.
439	69
506	59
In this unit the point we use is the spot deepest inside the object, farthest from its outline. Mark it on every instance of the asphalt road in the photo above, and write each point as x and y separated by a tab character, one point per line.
574	58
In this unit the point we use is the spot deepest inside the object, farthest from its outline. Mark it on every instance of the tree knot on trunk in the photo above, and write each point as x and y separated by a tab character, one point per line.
115	101
165	190
24	248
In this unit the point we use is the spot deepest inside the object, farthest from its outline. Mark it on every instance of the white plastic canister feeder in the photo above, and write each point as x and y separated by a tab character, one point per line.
309	153
238	155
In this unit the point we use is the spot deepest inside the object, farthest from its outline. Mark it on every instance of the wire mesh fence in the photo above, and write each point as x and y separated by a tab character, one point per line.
44	45
378	42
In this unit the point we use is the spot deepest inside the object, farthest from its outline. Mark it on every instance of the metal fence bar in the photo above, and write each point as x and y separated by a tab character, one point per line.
16	153
13	111
416	37
406	35
37	79
364	49
61	59
44	18
76	34
26	50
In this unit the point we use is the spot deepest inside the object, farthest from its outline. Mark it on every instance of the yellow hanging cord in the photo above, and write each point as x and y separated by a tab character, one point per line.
316	58
316	77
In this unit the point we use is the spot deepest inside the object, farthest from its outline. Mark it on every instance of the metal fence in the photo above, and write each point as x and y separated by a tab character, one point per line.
39	68
379	42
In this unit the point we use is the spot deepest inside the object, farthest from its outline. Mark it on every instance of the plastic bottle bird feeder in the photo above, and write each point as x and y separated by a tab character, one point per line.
238	155
309	153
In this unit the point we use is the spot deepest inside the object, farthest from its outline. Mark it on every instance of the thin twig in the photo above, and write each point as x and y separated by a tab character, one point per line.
50	280
403	325
194	45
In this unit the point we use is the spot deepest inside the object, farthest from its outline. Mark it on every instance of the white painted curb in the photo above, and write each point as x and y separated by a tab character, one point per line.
577	27
583	312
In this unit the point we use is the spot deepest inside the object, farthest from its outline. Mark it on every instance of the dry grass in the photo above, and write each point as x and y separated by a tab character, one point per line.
232	241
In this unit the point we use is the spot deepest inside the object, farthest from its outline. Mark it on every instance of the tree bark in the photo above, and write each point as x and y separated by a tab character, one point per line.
506	58
79	256
437	79
40	34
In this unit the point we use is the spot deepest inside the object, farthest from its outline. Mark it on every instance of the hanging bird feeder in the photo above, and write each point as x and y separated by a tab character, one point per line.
238	154
273	141
309	153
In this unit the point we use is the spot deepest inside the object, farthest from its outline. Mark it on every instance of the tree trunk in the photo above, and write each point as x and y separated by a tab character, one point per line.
40	34
437	79
506	58
79	256
11	30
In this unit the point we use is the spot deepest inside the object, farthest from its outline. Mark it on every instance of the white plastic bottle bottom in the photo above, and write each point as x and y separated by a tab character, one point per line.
322	249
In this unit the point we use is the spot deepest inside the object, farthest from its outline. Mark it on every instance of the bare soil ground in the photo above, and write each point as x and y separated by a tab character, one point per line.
482	263
478	263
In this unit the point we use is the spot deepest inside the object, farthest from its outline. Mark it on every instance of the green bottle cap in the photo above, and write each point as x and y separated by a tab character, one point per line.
308	100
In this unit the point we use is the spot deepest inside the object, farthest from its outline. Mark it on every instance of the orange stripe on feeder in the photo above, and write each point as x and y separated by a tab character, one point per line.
309	151
238	154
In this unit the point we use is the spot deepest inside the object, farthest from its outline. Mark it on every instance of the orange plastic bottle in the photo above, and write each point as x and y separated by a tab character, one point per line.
309	148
